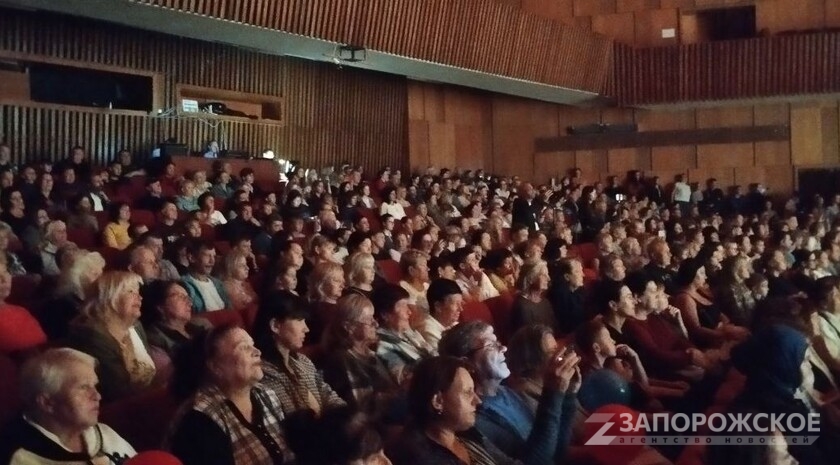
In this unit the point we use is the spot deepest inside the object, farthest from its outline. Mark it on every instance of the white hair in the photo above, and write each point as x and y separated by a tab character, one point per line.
71	277
46	373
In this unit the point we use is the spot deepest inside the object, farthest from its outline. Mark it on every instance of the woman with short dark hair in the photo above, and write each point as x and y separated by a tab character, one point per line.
279	333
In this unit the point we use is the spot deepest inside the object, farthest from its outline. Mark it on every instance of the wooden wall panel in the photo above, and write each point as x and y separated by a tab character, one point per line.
330	115
779	179
619	26
594	7
559	10
499	37
806	135
724	117
553	164
772	153
636	5
727	70
418	144
666	120
725	176
725	155
830	136
791	15
649	26
673	158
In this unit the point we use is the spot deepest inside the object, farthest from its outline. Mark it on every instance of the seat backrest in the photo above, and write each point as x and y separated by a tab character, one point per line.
114	258
142	420
10	403
586	252
208	233
475	310
223	317
390	271
372	217
144	217
82	237
501	307
20	332
222	248
23	289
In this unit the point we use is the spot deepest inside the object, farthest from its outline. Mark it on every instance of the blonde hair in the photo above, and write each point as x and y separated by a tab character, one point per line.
107	291
70	280
230	263
354	264
349	310
318	278
529	273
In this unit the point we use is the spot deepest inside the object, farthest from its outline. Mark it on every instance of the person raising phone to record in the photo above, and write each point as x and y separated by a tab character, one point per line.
504	418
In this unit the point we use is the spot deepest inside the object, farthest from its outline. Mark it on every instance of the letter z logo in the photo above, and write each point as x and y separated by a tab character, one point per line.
599	439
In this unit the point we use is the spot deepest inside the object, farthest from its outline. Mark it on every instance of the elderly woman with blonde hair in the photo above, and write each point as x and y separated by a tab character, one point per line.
109	330
531	305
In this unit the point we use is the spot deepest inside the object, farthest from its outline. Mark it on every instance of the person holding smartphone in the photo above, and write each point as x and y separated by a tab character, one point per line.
504	418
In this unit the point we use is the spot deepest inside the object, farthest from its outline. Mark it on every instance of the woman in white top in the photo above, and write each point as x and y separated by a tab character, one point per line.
207	213
390	205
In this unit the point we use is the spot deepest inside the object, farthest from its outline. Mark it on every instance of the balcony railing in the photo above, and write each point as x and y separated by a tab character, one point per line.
739	69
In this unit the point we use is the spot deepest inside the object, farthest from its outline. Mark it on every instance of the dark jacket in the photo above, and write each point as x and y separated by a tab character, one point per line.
114	379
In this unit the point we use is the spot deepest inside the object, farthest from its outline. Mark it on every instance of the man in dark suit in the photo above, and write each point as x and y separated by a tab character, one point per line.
524	210
655	193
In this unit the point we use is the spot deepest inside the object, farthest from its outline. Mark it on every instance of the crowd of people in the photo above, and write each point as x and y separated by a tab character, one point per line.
354	345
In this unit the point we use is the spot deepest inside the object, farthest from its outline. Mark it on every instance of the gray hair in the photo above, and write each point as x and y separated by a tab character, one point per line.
46	373
70	280
459	341
529	274
348	310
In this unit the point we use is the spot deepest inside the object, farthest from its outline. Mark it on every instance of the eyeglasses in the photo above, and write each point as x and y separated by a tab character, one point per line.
371	323
495	345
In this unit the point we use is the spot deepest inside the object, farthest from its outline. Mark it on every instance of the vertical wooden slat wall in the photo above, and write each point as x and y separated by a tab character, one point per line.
330	115
737	69
506	41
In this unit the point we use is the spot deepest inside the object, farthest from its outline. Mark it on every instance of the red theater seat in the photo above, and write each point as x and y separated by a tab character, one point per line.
142	420
144	217
223	317
83	237
474	310
390	271
23	289
10	403
501	308
585	252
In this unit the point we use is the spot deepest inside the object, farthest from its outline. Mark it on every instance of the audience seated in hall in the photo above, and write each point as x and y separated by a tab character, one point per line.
677	289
